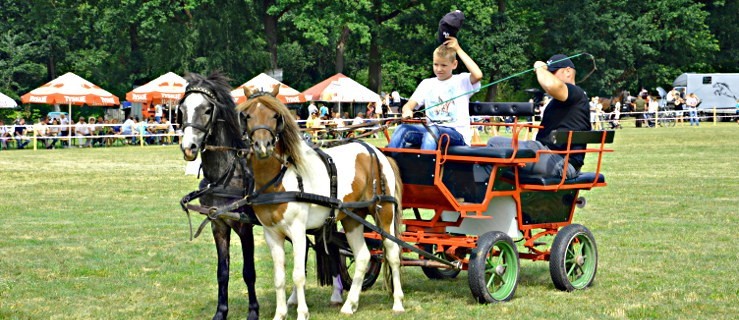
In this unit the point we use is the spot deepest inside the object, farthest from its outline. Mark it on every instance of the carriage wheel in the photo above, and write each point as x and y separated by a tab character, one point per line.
438	273
346	267
574	258
494	268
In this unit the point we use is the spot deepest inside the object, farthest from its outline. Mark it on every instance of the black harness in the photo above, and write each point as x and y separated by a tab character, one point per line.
219	187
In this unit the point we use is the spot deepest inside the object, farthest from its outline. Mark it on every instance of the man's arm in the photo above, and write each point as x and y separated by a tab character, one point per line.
551	84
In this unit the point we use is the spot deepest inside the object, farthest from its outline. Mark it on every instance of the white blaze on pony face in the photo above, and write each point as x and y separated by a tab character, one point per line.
192	138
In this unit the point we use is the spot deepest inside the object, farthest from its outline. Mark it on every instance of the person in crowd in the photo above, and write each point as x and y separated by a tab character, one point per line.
653	109
40	129
370	110
592	106
338	120
640	108
158	112
396	98
83	132
312	108
446	98
568	110
169	130
692	102
21	131
64	131
128	128
53	133
323	111
5	135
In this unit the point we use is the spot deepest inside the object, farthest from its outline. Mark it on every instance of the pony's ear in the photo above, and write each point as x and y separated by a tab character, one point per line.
248	91
275	90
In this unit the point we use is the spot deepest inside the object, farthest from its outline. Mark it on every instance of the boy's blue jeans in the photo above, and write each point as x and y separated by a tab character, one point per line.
418	135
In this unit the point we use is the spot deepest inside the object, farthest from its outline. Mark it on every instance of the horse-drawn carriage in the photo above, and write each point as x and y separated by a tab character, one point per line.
467	207
479	203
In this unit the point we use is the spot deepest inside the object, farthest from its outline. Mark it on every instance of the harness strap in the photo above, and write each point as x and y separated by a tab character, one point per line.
349	213
329	225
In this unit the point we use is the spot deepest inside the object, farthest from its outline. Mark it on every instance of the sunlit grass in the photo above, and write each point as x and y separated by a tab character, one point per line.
98	234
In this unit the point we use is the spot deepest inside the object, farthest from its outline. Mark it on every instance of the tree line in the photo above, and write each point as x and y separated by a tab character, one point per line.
384	44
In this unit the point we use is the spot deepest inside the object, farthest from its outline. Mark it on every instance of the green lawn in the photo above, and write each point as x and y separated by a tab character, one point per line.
98	234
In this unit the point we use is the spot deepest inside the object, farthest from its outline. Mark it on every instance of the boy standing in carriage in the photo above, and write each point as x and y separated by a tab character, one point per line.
447	95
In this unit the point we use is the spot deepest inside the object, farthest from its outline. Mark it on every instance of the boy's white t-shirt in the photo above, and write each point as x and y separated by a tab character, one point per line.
455	113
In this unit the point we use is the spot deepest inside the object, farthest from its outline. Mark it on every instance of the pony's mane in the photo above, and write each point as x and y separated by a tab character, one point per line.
290	141
217	83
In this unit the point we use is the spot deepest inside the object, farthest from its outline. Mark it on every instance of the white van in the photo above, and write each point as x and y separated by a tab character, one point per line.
715	90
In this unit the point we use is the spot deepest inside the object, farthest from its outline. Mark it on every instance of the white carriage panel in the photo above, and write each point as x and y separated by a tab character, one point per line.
501	209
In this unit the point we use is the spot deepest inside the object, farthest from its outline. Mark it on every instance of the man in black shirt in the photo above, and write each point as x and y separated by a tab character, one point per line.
568	110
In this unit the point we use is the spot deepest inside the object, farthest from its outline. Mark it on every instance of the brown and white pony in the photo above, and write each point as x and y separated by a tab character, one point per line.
278	149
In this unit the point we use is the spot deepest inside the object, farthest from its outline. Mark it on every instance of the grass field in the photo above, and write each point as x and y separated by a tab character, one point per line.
98	234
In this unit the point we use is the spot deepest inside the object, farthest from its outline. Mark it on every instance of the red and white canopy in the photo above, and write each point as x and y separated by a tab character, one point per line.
70	89
340	88
167	87
265	83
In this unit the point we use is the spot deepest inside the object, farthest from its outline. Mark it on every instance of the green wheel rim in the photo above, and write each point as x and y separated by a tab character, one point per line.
501	271
580	261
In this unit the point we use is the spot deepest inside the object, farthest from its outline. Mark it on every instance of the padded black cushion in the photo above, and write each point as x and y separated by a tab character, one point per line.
584	177
501	153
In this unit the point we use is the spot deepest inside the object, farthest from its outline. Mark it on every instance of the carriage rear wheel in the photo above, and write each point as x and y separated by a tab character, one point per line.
574	258
494	268
346	266
438	273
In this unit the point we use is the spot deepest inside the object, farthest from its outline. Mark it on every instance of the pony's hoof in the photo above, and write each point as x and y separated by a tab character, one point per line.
398	310
334	304
347	310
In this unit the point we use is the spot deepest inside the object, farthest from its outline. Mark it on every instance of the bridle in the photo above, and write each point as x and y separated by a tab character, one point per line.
248	132
211	98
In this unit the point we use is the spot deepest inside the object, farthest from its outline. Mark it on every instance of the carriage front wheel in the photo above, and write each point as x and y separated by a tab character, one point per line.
494	268
574	258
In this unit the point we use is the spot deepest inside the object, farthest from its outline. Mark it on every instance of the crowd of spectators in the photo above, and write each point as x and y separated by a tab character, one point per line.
52	132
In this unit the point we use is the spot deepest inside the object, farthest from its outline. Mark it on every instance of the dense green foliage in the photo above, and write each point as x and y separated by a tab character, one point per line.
384	44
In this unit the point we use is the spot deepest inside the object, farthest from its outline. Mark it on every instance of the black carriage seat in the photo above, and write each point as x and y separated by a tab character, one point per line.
502	109
528	181
488	152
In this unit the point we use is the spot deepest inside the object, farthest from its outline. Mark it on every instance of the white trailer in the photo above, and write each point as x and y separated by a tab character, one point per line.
715	90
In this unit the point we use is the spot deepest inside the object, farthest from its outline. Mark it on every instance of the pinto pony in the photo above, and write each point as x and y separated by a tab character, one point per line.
283	163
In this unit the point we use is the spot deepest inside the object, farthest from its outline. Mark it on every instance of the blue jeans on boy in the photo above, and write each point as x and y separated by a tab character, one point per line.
418	135
693	114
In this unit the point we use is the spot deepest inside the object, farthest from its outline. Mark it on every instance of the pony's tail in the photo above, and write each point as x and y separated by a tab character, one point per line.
398	215
327	263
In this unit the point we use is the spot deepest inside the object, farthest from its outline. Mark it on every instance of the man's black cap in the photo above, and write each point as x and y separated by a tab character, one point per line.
559	61
449	25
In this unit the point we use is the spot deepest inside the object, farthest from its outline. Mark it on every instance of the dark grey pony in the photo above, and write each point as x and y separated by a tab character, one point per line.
211	127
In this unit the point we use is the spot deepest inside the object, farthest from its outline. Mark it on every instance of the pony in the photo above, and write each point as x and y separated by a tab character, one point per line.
284	164
207	117
213	129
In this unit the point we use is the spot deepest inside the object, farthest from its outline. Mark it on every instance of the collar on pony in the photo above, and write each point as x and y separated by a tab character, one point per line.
202	90
258	94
